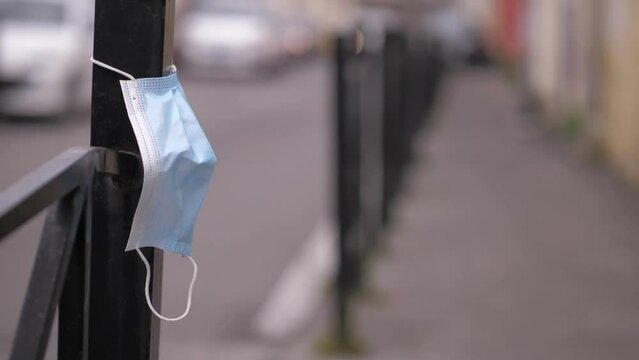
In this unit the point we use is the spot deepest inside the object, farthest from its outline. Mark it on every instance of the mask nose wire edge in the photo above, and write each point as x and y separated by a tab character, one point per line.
148	282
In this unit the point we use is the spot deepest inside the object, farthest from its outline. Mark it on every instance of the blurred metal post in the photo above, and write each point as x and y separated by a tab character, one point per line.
393	118
341	285
347	191
371	105
135	36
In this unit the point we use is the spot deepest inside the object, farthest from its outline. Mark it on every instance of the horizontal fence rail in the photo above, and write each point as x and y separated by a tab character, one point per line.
57	178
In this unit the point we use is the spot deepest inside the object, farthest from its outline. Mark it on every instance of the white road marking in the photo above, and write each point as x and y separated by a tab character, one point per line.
300	289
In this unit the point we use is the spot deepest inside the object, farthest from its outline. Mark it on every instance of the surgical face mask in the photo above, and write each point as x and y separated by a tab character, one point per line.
178	165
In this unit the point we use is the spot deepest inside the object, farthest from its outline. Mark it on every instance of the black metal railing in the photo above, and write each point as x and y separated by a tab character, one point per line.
385	83
80	267
60	272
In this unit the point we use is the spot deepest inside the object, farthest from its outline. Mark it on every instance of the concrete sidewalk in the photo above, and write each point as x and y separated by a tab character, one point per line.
505	245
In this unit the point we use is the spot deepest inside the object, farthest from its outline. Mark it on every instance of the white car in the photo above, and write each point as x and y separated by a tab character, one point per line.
229	39
44	47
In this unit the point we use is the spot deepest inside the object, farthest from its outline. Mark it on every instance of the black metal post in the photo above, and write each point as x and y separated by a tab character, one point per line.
73	319
393	117
135	36
371	105
347	191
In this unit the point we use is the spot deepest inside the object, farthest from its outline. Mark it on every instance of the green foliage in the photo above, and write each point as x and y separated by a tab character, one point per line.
571	126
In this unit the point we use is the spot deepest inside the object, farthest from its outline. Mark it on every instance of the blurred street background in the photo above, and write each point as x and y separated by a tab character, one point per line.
508	230
272	142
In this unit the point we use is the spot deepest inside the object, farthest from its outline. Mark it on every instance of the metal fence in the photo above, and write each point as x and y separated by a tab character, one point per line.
80	266
385	83
61	271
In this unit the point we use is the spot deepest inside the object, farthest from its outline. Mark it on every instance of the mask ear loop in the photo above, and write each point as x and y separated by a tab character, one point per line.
172	68
109	67
147	283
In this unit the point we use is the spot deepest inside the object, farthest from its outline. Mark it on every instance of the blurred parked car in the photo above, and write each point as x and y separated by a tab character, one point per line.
229	38
44	51
457	38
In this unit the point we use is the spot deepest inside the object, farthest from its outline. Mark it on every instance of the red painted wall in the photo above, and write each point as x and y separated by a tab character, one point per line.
508	34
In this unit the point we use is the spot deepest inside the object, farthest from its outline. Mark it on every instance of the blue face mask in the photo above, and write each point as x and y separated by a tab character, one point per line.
178	165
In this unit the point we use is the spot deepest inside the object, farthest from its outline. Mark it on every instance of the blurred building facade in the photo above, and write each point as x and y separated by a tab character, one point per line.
577	61
620	84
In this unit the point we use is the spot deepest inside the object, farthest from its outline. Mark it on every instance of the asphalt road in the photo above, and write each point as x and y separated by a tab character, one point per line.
269	190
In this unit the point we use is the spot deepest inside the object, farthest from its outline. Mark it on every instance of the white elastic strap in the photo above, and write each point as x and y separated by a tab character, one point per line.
171	68
148	283
109	67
